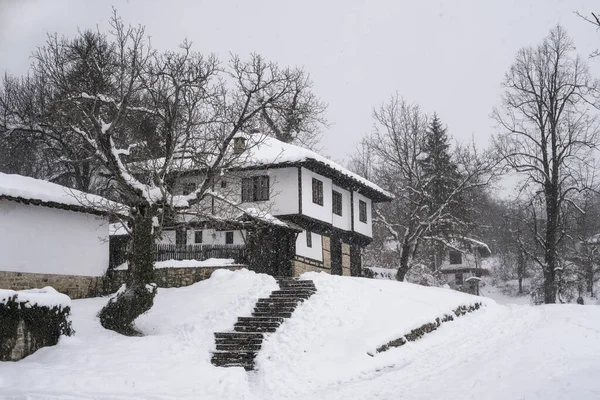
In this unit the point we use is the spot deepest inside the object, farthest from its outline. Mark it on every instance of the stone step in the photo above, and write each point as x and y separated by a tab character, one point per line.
245	328
291	297
274	310
248	366
238	347
238	341
293	291
300	284
260	319
233	355
238	335
278	300
268	314
257	323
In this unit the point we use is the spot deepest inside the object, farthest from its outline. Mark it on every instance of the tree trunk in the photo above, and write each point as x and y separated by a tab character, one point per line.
520	270
550	261
404	257
138	295
142	252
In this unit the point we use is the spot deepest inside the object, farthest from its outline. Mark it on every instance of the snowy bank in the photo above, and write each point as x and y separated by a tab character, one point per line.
495	353
211	262
45	297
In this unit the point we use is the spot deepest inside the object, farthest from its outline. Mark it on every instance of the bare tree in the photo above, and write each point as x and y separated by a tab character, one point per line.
143	116
396	149
549	135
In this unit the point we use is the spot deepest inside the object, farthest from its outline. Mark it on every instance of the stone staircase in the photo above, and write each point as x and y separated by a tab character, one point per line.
239	348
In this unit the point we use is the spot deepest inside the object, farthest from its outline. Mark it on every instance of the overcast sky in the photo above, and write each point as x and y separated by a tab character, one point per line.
448	56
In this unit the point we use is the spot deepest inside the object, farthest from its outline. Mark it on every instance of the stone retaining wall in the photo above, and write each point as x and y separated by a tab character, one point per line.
78	287
74	286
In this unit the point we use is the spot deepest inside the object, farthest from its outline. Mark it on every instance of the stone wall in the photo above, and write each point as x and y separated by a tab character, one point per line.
345	259
76	287
169	277
301	265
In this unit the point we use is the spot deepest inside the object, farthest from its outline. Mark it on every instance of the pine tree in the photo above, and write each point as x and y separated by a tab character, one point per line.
440	175
441	179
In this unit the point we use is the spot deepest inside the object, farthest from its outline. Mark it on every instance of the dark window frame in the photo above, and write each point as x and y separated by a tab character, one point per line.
188	187
459	278
309	239
336	202
362	211
317	191
255	188
455	257
229	237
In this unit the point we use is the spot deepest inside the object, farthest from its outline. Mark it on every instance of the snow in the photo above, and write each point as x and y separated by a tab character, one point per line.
210	262
45	297
263	216
497	352
117	229
18	186
272	151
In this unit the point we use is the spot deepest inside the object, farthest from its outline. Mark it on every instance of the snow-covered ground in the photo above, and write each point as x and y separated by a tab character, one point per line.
498	352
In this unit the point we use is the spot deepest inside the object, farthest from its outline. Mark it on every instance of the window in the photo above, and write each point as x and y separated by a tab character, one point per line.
228	237
308	239
337	203
455	257
458	278
188	188
180	237
362	211
198	237
223	184
317	191
255	188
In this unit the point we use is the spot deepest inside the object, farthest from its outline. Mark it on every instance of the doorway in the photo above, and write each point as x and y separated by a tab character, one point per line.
336	255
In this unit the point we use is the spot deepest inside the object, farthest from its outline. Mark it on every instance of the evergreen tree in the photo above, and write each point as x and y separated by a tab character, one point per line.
440	176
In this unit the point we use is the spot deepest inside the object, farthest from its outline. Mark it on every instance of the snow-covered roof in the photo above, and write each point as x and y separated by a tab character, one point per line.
43	193
270	151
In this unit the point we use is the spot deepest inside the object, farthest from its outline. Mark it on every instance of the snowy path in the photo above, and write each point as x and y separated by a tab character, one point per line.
515	352
498	352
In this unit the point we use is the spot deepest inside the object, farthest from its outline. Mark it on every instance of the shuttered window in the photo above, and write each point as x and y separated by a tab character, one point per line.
308	239
255	188
317	191
455	257
362	211
337	203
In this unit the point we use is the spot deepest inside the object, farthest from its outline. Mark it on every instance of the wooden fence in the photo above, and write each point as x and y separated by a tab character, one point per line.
164	252
201	252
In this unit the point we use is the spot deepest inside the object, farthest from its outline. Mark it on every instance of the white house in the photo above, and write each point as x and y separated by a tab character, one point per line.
328	207
462	267
51	235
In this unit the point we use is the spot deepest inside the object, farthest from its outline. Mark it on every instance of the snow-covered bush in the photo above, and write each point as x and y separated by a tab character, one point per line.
43	315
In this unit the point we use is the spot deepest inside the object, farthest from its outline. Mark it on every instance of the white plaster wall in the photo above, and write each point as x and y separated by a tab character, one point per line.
345	221
362	227
322	213
315	252
47	240
283	187
468	261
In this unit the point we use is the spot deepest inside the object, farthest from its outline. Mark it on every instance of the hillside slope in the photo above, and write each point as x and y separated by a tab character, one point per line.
497	352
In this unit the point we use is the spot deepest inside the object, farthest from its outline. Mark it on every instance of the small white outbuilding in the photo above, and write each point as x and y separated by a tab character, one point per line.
51	235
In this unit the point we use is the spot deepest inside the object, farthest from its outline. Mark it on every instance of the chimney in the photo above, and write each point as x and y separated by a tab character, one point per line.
239	145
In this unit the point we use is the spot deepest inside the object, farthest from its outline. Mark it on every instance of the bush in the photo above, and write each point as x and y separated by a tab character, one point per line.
43	324
129	303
